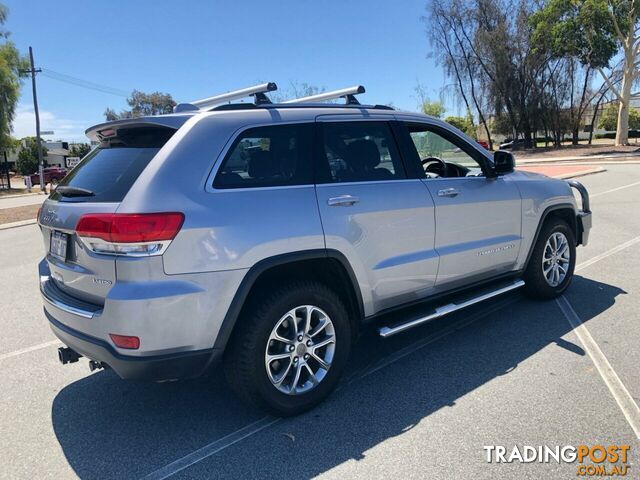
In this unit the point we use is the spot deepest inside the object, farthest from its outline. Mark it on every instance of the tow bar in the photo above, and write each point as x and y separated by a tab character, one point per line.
67	355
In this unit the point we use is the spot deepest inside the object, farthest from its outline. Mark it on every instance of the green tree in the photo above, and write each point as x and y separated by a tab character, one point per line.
434	109
596	32
634	119
79	149
501	125
143	104
609	119
11	62
464	124
27	162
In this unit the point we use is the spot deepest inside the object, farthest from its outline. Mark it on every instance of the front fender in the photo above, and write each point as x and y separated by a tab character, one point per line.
540	196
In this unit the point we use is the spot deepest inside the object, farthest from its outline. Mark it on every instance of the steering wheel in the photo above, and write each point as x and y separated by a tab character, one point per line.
435	165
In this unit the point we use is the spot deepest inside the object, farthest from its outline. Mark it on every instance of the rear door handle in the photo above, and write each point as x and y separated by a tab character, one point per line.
342	201
448	192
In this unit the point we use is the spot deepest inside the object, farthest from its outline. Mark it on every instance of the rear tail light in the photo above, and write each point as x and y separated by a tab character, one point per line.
133	234
125	341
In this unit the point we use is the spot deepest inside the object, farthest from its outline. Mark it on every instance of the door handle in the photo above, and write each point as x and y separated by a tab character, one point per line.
342	201
448	192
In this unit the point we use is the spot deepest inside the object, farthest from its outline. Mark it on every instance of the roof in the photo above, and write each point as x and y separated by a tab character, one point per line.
311	110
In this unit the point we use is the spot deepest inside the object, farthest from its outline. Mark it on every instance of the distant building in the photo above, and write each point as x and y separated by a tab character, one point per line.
57	153
587	116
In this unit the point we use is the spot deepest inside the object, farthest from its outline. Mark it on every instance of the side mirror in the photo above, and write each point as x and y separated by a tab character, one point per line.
503	162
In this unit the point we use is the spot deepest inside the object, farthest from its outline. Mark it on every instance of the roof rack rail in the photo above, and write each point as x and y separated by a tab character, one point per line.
347	93
253	106
257	91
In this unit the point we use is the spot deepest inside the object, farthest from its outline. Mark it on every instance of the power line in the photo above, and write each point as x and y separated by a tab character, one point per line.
61	77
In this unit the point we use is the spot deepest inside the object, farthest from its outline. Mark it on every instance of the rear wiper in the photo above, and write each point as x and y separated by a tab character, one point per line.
67	191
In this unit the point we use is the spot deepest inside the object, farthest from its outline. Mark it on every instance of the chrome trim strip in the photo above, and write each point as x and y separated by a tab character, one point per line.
58	304
447	309
93	244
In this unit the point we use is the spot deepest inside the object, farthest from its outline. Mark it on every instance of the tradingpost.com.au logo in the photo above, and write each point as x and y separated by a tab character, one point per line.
592	461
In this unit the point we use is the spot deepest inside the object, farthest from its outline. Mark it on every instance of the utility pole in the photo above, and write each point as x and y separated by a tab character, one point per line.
6	167
33	70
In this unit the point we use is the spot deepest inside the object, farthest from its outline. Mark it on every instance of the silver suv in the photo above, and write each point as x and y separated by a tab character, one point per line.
267	235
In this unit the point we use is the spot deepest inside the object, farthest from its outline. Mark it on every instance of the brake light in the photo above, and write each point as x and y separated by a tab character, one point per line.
129	233
130	227
125	341
108	132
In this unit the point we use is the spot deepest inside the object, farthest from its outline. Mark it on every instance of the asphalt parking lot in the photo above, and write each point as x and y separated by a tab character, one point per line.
420	405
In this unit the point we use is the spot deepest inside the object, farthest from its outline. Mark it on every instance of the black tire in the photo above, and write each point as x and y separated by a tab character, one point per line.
245	355
536	285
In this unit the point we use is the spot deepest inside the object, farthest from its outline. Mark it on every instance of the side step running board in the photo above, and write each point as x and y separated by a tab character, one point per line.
447	309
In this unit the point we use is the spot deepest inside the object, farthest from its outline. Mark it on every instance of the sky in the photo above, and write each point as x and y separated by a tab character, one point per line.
195	48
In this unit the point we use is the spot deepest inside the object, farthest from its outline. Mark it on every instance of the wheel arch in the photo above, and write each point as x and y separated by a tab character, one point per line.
328	266
564	211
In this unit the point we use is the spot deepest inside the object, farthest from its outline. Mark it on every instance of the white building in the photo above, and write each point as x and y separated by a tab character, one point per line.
57	153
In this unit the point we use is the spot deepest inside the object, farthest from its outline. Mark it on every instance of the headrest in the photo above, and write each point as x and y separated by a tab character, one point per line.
362	155
262	165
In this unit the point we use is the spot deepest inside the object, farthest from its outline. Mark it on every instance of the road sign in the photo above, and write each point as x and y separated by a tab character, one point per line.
47	132
72	161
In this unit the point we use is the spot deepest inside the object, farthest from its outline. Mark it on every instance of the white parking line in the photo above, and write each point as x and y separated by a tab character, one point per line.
15	353
608	253
622	396
614	190
210	449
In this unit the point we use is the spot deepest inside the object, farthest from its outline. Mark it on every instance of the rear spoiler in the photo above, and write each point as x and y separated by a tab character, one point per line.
97	132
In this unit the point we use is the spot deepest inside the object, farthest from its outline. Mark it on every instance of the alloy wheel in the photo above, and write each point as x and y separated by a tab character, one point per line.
300	350
555	259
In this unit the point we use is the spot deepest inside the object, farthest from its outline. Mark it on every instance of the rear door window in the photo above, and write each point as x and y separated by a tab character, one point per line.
276	155
109	171
359	152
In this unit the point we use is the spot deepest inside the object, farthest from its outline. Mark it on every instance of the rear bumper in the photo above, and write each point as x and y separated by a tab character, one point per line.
154	368
177	330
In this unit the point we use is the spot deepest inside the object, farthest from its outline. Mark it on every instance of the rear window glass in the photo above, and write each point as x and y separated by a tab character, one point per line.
267	157
110	170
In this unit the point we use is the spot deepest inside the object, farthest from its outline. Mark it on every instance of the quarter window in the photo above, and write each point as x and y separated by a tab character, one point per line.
359	152
270	156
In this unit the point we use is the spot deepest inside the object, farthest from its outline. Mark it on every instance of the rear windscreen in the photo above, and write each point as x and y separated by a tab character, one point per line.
110	170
